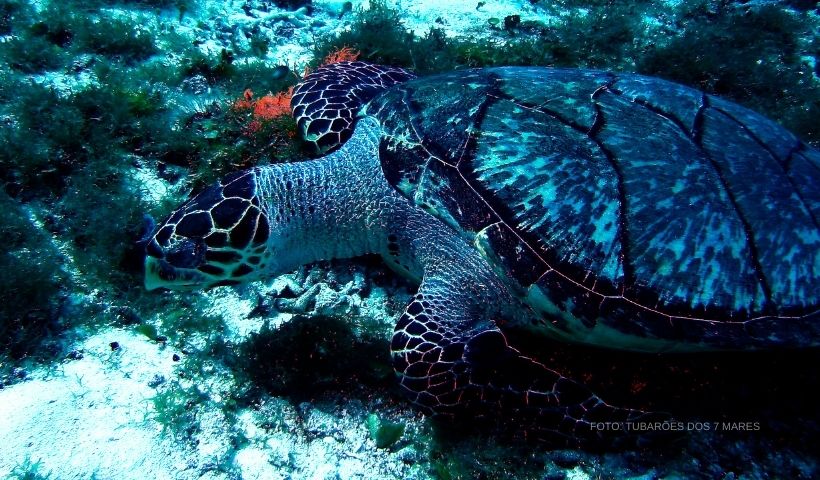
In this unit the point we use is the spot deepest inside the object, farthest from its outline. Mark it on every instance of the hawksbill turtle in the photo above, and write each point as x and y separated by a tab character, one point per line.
615	210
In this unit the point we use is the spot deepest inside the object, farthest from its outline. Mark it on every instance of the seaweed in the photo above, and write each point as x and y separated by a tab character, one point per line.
37	41
176	408
13	12
148	330
764	72
307	356
601	38
126	39
79	145
215	70
377	32
262	77
29	470
215	137
33	285
64	29
156	4
802	5
29	161
88	5
101	217
215	141
381	36
58	23
466	454
55	135
292	4
384	432
33	54
259	44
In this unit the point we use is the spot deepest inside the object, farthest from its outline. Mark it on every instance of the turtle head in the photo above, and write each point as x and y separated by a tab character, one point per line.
218	237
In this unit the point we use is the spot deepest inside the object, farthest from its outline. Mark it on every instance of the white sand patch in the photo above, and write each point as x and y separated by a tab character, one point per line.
151	188
91	416
255	464
66	84
577	473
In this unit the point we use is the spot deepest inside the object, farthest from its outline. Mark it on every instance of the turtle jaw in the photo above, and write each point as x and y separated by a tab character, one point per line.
160	274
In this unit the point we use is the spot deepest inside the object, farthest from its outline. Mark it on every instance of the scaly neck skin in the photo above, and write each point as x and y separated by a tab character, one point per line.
332	207
341	206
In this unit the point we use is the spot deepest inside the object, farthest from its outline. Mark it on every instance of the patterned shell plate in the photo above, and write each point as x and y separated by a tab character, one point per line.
620	200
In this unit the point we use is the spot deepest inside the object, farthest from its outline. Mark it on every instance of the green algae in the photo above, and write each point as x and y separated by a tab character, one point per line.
175	408
308	356
765	71
150	331
384	433
30	470
33	286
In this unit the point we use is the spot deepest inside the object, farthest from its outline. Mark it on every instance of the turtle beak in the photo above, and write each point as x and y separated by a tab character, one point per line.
152	268
161	274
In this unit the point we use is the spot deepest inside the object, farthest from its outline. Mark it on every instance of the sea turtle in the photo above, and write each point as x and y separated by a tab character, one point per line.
615	210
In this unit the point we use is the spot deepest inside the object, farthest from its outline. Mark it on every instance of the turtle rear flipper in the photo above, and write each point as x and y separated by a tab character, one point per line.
452	363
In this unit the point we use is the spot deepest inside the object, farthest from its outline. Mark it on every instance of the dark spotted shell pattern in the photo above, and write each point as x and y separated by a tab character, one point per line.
621	201
326	101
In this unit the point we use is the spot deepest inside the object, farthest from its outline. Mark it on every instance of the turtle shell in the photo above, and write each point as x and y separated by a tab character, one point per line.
623	208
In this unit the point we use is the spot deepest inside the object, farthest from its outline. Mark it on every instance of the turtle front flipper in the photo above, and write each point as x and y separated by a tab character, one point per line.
325	103
452	362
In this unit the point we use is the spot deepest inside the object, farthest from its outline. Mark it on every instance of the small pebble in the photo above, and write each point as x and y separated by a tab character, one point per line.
156	381
75	355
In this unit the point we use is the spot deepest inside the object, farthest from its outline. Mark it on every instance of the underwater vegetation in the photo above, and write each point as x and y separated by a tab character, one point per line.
766	71
33	288
101	104
30	470
384	432
304	357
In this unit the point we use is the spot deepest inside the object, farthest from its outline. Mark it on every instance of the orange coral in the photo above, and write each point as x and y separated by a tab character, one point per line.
265	108
246	102
272	106
344	54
